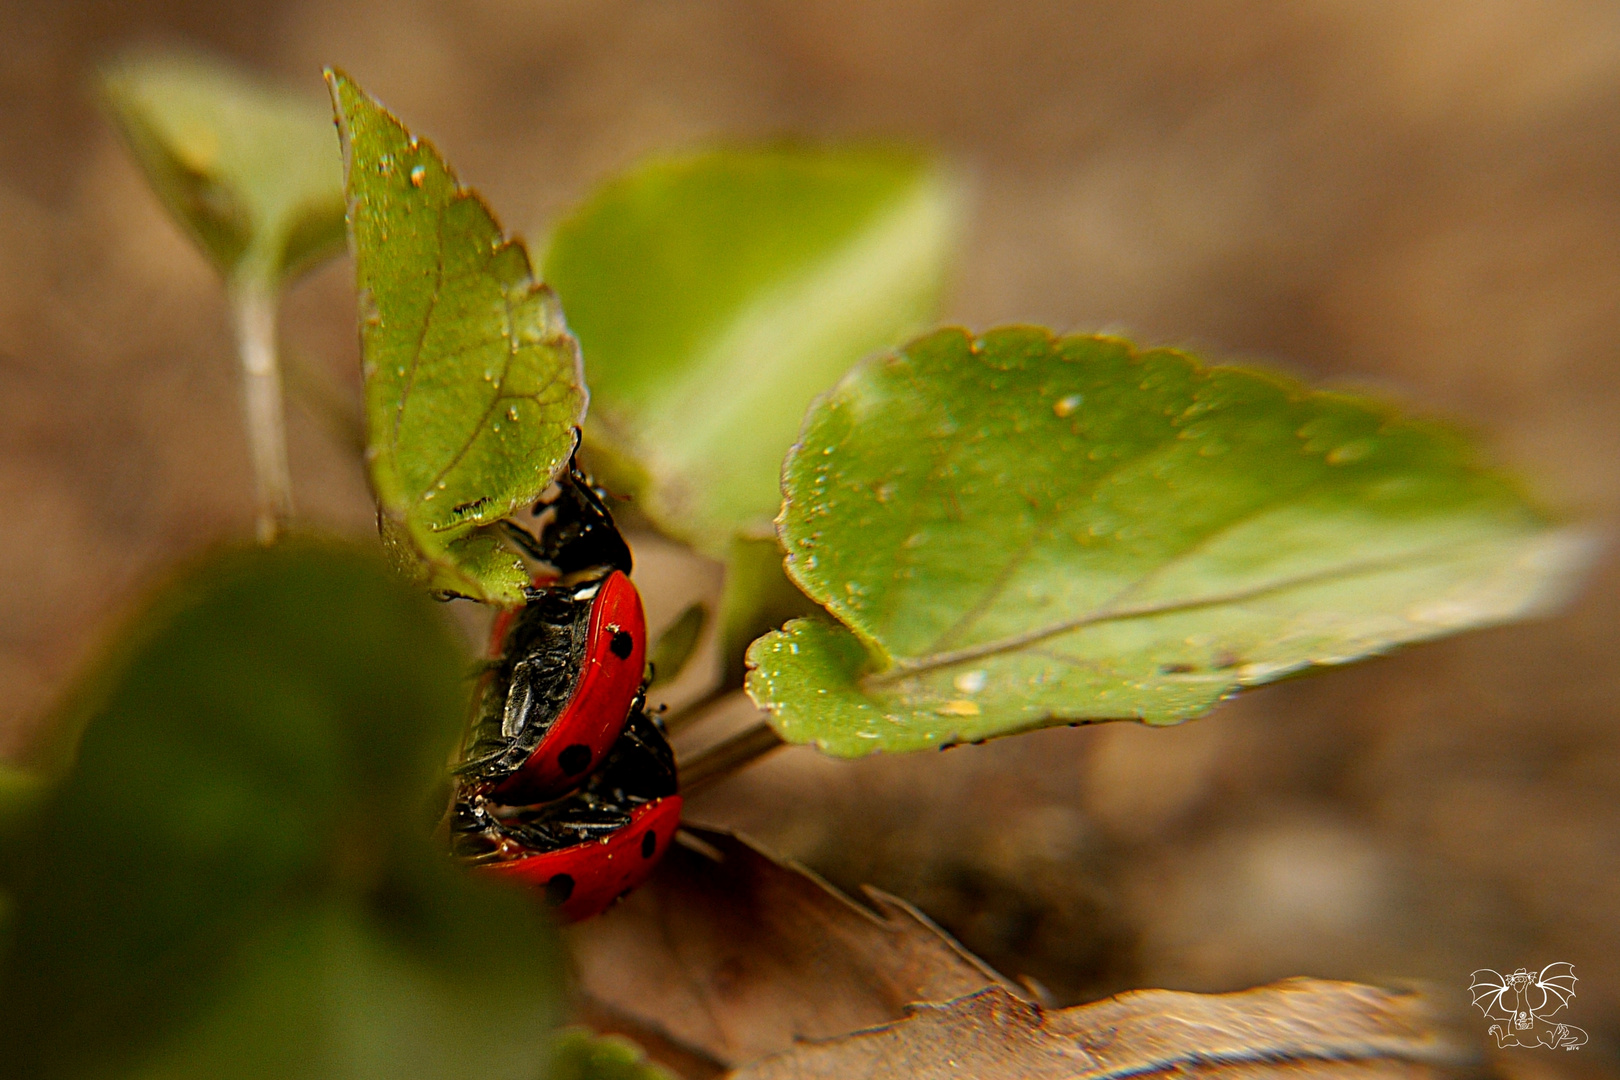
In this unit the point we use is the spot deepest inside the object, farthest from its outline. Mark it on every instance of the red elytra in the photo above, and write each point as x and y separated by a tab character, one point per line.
589	724
583	880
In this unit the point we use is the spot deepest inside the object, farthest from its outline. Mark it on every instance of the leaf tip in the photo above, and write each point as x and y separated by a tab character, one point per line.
339	85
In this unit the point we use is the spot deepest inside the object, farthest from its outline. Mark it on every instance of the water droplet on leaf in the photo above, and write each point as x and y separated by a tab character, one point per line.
970	682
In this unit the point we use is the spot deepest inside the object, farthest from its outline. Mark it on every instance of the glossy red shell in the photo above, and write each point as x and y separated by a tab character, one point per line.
584	879
589	725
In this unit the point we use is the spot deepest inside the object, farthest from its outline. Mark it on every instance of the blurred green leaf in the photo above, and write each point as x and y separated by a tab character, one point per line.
473	383
674	646
1018	530
578	1055
237	879
758	598
21	792
714	295
251	171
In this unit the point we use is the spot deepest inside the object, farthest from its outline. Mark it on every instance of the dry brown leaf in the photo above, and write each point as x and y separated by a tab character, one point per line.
734	954
1301	1029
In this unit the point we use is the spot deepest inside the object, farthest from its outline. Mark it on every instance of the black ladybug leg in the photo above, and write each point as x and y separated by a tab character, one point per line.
582	534
576	531
526	542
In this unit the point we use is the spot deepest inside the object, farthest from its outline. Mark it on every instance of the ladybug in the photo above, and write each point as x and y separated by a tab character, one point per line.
564	782
566	666
590	848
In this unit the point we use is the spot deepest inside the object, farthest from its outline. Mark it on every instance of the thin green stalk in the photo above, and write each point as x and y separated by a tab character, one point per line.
253	309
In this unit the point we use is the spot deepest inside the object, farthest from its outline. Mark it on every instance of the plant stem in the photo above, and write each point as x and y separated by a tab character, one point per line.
727	756
253	307
687	715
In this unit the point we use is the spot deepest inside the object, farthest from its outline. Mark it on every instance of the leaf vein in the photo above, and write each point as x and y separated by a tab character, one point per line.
1015	562
427	321
494	400
917	665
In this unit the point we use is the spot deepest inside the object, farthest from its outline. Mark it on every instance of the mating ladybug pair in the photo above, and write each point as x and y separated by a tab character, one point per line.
564	782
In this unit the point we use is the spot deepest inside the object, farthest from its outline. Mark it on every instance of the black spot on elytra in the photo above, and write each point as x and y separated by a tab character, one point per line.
621	644
649	844
559	889
575	759
1175	669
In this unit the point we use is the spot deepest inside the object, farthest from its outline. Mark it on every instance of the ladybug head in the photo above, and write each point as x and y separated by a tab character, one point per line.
570	528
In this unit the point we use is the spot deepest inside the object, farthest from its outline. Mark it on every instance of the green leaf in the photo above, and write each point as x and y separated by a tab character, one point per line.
578	1055
675	645
331	992
473	383
21	792
237	879
21	795
1019	530
714	295
251	171
758	598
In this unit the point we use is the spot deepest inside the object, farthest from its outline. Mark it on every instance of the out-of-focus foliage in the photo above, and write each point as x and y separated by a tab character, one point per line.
473	384
576	1054
1016	530
252	172
237	879
675	645
20	791
714	296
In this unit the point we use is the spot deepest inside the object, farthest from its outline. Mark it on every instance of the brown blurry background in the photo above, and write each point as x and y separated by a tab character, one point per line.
1422	196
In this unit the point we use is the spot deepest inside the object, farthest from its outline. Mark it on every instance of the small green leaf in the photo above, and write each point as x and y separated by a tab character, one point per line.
758	598
576	1054
250	170
674	646
716	294
1018	530
237	878
473	383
